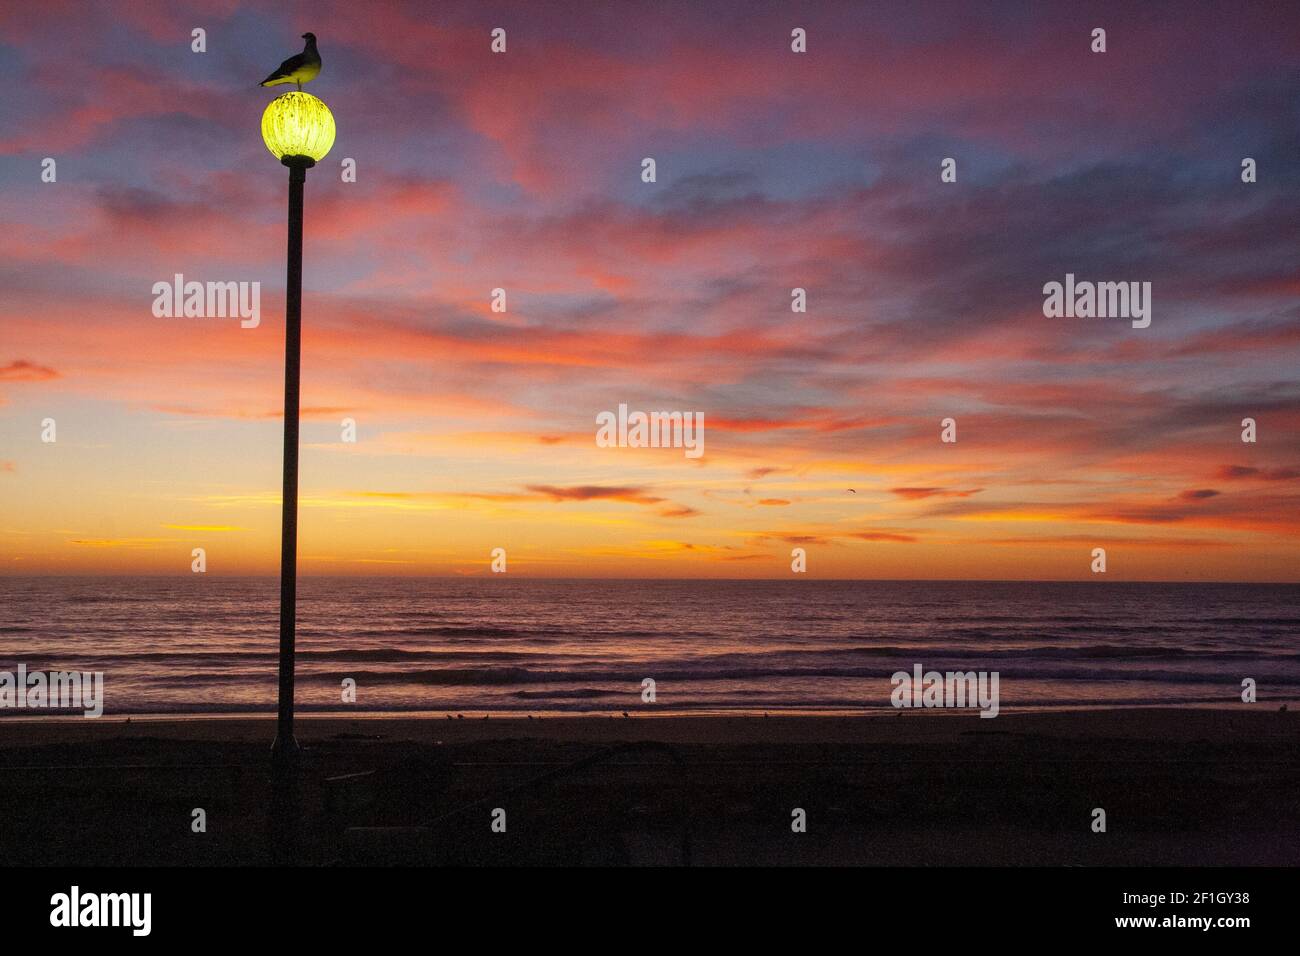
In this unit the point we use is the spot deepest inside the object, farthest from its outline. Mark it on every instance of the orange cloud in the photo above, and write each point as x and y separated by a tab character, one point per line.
915	494
595	493
23	371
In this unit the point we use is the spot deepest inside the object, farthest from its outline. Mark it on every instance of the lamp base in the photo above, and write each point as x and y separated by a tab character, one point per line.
284	819
298	162
286	755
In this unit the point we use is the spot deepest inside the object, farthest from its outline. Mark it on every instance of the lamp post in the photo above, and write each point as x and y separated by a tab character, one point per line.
298	130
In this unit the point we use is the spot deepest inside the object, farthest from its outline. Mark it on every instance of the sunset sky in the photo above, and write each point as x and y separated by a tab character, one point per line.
775	170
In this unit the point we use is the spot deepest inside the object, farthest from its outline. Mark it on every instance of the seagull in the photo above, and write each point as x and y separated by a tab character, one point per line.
299	69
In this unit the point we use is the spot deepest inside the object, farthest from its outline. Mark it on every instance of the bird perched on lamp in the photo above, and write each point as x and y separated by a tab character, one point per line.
299	69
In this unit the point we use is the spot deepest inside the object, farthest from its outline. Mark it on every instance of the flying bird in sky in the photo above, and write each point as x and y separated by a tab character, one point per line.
299	69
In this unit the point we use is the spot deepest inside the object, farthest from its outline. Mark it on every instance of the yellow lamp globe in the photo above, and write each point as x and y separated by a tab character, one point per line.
298	124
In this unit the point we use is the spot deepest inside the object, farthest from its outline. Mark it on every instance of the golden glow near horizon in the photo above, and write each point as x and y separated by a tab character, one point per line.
298	124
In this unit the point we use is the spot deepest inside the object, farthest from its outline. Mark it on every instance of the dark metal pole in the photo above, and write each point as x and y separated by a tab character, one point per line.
285	751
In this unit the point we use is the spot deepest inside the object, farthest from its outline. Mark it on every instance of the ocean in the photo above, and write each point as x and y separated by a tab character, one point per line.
502	645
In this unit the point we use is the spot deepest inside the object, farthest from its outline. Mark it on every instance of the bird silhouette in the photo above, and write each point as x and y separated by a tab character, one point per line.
299	69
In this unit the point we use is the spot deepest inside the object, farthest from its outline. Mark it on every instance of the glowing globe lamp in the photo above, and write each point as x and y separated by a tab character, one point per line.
298	128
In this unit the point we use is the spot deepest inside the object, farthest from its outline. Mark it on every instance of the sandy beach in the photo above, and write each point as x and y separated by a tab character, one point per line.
1178	786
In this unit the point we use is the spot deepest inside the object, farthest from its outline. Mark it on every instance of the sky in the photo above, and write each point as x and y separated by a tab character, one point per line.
774	170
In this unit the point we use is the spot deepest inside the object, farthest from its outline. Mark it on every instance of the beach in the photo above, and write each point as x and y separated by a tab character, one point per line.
1179	786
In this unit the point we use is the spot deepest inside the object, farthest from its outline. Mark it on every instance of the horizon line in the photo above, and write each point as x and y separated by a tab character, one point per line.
274	576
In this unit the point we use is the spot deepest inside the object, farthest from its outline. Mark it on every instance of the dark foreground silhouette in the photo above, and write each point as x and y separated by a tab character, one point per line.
1178	787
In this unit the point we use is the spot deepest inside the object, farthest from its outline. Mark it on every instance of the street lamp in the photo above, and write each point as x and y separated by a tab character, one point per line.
298	130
